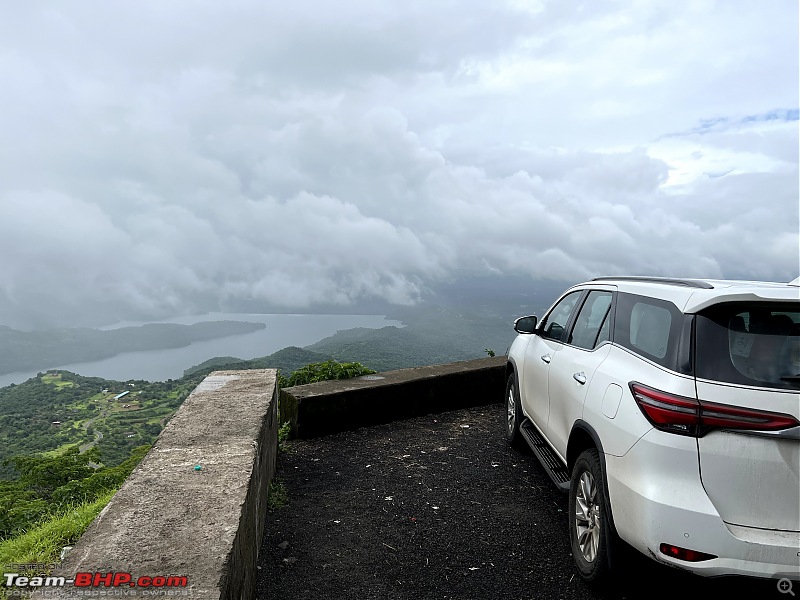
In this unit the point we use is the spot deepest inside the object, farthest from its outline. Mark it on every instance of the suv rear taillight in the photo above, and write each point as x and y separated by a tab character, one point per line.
689	416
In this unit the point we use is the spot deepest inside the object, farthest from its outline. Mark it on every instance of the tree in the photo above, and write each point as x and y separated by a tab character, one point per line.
44	474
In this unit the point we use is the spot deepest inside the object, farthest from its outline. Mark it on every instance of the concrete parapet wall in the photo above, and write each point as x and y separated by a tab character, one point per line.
170	519
173	520
330	406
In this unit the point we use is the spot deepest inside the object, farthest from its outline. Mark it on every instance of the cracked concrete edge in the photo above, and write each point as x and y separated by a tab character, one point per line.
170	519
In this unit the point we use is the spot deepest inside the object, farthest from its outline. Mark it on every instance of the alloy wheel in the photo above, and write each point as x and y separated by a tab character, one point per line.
587	517
511	409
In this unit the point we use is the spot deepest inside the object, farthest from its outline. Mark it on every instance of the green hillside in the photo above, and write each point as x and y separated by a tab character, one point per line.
59	410
286	360
431	336
68	471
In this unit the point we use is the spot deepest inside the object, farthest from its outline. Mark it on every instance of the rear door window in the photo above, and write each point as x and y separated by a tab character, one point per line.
754	344
590	322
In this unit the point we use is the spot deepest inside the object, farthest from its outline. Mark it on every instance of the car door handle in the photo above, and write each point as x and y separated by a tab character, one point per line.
546	358
579	377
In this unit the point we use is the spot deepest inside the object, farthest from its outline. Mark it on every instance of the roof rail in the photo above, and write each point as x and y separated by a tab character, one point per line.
693	283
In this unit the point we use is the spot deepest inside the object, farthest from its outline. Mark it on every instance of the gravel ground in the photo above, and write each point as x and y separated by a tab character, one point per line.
437	507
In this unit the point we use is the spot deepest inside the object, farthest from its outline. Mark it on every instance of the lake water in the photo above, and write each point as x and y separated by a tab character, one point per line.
160	365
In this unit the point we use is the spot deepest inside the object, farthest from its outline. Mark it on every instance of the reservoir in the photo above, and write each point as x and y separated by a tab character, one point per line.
159	365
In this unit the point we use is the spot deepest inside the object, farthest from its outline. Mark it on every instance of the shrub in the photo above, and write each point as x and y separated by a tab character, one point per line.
325	371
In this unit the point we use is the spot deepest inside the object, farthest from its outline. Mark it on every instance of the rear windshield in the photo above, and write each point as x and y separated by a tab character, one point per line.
751	344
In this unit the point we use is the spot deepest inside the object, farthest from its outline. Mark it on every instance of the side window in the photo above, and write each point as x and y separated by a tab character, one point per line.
591	319
649	327
555	323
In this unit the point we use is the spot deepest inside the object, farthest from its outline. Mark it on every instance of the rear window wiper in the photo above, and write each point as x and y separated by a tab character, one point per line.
793	378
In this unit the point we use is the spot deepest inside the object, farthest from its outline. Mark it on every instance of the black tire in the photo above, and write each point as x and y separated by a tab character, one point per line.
590	530
513	413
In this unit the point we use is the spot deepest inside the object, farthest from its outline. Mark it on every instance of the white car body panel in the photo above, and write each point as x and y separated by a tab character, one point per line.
765	492
620	368
735	496
657	497
535	400
566	394
742	292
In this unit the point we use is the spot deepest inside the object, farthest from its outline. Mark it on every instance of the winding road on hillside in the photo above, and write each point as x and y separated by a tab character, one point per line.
98	435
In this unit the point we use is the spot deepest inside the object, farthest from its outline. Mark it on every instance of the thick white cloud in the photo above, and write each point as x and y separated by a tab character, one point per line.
171	157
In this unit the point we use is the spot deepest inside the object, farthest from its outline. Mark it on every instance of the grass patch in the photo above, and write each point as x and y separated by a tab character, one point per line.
60	450
278	497
156	420
56	381
283	435
43	543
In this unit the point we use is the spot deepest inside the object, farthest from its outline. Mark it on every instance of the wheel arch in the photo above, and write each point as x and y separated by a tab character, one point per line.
582	437
511	368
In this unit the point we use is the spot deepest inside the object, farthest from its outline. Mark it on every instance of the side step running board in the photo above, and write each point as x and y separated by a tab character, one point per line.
556	469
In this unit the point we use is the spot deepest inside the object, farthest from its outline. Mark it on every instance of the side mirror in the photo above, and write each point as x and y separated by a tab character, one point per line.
525	324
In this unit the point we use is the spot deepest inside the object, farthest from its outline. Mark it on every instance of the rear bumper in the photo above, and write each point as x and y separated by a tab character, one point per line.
657	498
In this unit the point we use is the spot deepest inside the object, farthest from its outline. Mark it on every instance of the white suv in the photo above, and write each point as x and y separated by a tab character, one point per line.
669	411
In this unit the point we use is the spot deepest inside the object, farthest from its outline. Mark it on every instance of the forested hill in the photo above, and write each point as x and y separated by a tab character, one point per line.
286	360
67	442
432	336
35	350
58	410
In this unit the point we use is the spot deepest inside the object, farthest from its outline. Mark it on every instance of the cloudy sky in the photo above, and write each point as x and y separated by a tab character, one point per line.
159	158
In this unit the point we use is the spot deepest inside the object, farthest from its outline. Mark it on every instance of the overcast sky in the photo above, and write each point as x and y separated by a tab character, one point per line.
159	158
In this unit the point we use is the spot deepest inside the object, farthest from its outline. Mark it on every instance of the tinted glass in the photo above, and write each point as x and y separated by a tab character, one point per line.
556	321
649	327
590	319
605	330
751	344
649	331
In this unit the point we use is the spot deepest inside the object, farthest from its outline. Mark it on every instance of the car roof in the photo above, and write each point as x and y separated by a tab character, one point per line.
693	295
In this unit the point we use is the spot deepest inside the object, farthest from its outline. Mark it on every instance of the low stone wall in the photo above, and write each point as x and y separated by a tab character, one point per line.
171	518
330	406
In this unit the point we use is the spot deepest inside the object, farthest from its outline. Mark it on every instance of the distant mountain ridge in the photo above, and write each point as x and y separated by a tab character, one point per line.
433	335
286	360
40	350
